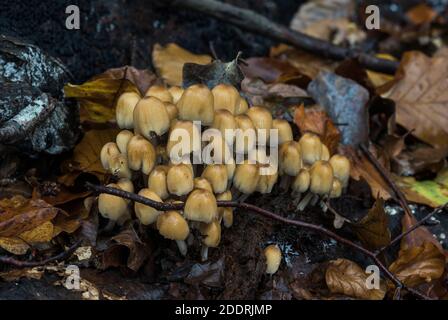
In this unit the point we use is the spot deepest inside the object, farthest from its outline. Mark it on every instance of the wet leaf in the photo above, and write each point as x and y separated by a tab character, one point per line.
209	274
421	97
346	277
14	245
213	73
98	96
345	102
426	192
318	122
417	265
373	229
169	62
40	234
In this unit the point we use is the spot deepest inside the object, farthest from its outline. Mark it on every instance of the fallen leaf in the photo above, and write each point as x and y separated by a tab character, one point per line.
421	96
169	62
442	177
14	245
16	274
318	122
98	96
209	274
373	229
421	13
345	102
428	192
212	74
141	78
381	80
40	234
346	277
417	265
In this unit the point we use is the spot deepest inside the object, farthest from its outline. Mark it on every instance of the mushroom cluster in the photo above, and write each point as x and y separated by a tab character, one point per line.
151	146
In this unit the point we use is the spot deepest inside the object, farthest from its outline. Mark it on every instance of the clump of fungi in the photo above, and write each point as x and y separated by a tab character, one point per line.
150	152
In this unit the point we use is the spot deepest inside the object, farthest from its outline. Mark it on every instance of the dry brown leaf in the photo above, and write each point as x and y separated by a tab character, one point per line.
421	96
169	62
420	264
421	13
346	277
40	234
318	122
14	245
373	229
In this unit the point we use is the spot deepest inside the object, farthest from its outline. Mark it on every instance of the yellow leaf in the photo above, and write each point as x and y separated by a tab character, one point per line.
426	192
169	62
40	234
14	245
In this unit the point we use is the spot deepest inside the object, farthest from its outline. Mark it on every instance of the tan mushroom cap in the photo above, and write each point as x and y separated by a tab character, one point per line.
201	206
336	189
211	233
107	151
262	120
227	97
172	111
202	183
124	109
172	225
126	185
151	117
321	178
216	174
176	93
122	140
246	177
247	138
180	179
159	92
225	214
325	153
284	130
311	148
196	104
301	182
341	168
146	214
290	158
157	181
242	107
184	138
224	120
141	154
119	166
273	257
112	207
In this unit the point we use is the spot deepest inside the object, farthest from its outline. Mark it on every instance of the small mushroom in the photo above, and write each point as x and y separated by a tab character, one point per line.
290	158
242	107
172	225
146	214
211	233
124	109
122	140
151	118
176	93
301	183
321	182
224	120
341	168
311	148
262	120
157	181
201	206
284	130
159	92
184	139
126	185
227	97
225	213
273	257
325	153
247	138
113	208
196	104
172	111
141	154
119	167
246	177
180	179
107	151
216	174
202	183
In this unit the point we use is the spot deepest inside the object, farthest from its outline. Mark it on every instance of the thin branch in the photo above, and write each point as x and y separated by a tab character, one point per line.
249	207
256	23
31	264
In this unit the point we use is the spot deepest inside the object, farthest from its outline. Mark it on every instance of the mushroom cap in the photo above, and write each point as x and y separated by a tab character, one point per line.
242	107
146	214
325	153
176	93
122	140
151	117
224	120
216	174
202	183
215	150
172	225
284	130
118	166
159	92
290	158
196	104
223	211
112	207
311	148
246	177
301	182
107	151
336	189
321	177
266	182
246	140
273	257
180	179
227	97
211	233
262	120
124	109
231	167
157	181
126	185
224	196
141	154
201	206
227	217
172	111
184	138
341	168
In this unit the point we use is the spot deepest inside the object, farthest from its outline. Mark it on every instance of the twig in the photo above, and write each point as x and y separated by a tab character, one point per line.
249	207
398	194
30	264
415	226
251	21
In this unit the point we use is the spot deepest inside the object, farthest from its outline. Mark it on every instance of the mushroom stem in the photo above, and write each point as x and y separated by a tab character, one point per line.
323	205
182	245
285	182
190	239
296	196
302	204
314	200
204	253
110	226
